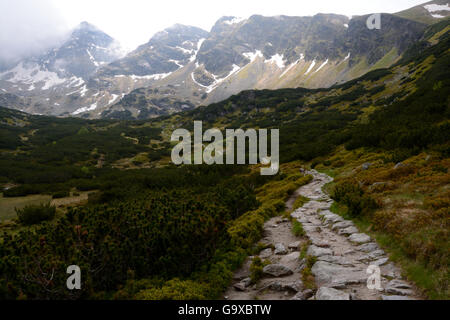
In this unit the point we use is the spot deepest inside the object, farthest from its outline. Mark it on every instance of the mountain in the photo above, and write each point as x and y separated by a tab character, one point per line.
275	52
383	136
46	80
429	13
183	67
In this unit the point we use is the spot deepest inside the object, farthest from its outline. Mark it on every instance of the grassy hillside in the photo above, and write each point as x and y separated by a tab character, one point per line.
145	219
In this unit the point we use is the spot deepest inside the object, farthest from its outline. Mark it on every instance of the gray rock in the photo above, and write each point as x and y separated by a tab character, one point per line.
331	218
342	225
366	166
348	231
296	286
325	293
239	287
359	238
265	253
277	270
380	262
337	276
336	260
280	249
295	245
399	284
376	254
320	243
400	288
318	252
304	295
391	271
368	247
290	258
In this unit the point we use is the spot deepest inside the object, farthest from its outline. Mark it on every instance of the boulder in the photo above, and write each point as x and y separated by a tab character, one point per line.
359	238
280	249
348	231
304	295
318	252
398	287
342	225
368	247
337	276
290	258
277	270
380	262
366	166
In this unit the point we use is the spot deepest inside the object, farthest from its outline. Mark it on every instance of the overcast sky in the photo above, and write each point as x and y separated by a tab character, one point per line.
29	25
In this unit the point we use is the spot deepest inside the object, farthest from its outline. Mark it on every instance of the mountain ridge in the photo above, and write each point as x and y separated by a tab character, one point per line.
183	67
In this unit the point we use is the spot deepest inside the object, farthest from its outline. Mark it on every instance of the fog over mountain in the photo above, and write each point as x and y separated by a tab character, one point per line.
27	28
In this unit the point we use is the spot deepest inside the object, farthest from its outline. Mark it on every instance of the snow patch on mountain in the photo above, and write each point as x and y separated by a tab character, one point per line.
235	20
85	109
157	76
217	81
278	60
253	55
199	46
113	99
436	7
177	63
92	58
310	67
321	66
292	65
32	75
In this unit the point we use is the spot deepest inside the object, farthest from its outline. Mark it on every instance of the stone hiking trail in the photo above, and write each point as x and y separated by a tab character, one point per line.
343	257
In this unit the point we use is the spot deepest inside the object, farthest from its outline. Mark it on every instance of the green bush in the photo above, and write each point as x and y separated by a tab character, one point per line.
35	214
352	195
256	269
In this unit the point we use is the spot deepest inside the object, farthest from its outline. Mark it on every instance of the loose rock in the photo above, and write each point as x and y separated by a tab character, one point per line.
277	270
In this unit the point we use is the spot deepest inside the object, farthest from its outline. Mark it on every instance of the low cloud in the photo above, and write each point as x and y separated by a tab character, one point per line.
28	27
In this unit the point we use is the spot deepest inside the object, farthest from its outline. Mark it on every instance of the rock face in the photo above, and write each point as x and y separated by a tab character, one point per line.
331	294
